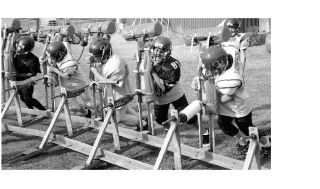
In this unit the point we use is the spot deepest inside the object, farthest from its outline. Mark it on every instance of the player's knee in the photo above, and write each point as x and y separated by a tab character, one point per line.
227	127
160	119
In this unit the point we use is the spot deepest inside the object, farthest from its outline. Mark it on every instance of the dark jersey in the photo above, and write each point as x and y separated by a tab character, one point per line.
26	63
169	72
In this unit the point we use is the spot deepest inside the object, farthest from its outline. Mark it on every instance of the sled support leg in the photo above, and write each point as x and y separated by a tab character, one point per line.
172	134
54	119
252	160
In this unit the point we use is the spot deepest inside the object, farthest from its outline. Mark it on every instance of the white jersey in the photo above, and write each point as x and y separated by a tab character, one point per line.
240	105
77	78
233	47
116	69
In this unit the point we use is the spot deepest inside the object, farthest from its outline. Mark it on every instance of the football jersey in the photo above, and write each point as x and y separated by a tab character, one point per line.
169	72
77	78
233	47
116	69
240	105
26	63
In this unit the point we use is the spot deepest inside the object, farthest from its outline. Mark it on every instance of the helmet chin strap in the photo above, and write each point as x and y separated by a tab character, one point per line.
103	59
226	65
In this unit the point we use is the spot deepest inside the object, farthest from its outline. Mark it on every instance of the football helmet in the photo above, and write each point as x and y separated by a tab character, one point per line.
214	59
24	45
57	50
101	49
160	49
234	25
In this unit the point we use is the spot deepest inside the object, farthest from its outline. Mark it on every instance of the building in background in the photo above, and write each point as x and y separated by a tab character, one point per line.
264	24
198	23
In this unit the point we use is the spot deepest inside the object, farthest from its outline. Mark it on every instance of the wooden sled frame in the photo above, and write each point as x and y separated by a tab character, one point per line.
200	93
13	97
170	143
252	160
48	135
140	137
12	85
140	71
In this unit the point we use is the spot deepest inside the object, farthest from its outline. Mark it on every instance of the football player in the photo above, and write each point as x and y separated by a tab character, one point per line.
237	43
233	100
166	72
71	77
113	68
27	66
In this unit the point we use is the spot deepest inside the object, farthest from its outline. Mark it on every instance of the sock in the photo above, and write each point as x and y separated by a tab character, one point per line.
242	143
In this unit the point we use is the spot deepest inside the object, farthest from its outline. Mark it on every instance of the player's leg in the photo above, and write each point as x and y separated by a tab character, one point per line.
35	102
26	94
161	113
20	92
181	104
131	112
130	120
244	123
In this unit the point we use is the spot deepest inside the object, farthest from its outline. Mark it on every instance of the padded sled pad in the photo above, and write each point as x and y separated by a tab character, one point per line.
108	27
12	24
219	34
136	31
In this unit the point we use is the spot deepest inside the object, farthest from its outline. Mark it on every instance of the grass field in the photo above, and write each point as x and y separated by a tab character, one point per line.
258	84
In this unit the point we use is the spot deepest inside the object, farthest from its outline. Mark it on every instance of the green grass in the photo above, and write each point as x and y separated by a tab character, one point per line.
258	84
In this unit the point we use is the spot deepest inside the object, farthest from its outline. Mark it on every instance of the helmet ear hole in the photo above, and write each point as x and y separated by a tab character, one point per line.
58	56
110	51
229	58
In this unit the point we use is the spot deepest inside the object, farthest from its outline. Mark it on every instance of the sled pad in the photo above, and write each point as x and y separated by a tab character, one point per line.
108	27
218	34
134	32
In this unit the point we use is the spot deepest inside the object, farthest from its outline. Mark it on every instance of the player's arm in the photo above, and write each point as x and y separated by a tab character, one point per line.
24	76
20	75
96	74
225	98
65	70
227	88
243	58
244	44
157	78
174	77
60	73
171	77
34	67
117	72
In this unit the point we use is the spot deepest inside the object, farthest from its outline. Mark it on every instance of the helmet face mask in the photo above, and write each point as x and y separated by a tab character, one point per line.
160	49
215	60
234	26
24	45
101	50
218	67
56	51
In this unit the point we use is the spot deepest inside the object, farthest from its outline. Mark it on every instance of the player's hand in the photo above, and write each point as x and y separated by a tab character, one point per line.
210	108
160	84
158	81
42	60
52	69
93	70
7	74
195	83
